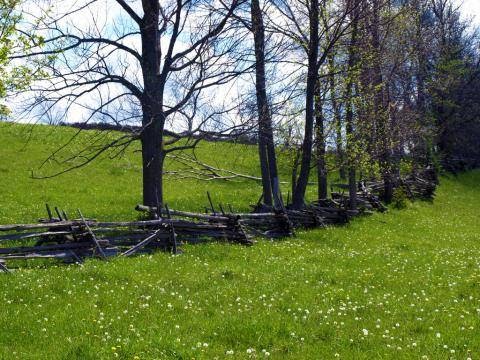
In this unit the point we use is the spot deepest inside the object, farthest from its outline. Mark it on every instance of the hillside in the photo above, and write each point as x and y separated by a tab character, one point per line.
405	284
109	188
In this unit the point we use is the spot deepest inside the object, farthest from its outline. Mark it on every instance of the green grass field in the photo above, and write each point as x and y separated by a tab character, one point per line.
400	285
111	188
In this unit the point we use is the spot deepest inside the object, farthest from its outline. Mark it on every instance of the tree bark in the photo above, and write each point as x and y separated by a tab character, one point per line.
152	164
268	161
320	144
352	181
421	78
298	197
337	118
381	106
153	121
349	126
388	158
264	169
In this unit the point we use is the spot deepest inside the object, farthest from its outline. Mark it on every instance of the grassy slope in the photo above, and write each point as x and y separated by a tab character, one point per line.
105	188
405	277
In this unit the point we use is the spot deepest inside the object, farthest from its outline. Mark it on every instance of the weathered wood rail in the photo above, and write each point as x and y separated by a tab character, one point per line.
73	240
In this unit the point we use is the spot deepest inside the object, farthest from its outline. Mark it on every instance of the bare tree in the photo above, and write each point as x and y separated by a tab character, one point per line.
145	62
320	136
337	116
266	144
349	116
316	43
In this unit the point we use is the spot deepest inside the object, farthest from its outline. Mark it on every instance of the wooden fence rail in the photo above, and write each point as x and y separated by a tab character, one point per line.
74	240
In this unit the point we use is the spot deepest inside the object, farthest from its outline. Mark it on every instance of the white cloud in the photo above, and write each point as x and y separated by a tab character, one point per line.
471	9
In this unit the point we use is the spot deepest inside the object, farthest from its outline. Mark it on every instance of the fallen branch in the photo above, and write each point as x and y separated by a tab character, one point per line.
203	171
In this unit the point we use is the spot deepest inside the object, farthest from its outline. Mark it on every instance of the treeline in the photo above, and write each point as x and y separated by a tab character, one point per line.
383	85
389	84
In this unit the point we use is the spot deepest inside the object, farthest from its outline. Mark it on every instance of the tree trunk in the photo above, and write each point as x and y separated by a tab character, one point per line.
298	197
268	161
349	127
352	181
264	169
153	121
381	107
320	144
152	161
272	162
421	78
337	119
387	188
388	156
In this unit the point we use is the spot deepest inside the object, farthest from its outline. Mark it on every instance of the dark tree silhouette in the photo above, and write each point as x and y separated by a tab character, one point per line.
150	63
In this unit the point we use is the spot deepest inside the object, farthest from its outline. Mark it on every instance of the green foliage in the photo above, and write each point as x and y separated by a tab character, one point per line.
14	76
399	199
399	285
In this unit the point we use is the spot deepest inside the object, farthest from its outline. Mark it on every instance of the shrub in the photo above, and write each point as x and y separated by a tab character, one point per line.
400	198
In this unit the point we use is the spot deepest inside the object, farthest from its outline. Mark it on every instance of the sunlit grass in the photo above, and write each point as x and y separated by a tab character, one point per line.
400	285
111	188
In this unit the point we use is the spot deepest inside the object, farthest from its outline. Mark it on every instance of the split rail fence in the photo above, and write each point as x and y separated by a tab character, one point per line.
57	237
